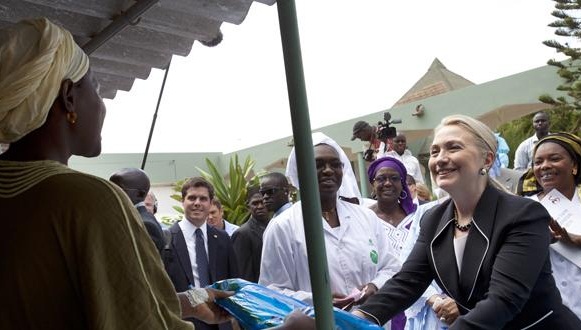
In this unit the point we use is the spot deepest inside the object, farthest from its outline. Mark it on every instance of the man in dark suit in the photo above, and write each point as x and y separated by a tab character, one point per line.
198	254
247	239
135	183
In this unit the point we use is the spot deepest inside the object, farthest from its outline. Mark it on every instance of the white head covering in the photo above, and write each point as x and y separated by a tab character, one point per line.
348	187
36	56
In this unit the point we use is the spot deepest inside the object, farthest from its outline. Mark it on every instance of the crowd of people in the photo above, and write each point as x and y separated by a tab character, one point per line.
91	254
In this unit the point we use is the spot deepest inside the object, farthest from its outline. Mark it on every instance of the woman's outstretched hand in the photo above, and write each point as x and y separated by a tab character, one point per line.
560	234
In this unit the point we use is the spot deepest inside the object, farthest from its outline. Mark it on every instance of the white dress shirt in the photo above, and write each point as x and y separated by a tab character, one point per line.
229	228
189	232
523	156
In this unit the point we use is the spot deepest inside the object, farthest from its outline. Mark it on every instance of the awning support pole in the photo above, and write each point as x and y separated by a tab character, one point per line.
311	205
128	17
155	116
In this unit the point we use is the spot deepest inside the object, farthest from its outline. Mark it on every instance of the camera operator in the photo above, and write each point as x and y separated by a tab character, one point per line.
375	148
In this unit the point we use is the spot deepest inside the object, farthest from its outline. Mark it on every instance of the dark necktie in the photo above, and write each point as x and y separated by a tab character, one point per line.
202	259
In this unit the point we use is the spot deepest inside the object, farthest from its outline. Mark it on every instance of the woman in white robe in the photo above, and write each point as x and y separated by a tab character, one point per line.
557	165
359	257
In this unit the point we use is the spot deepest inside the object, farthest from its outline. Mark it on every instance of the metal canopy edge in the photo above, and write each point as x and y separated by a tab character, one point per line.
124	47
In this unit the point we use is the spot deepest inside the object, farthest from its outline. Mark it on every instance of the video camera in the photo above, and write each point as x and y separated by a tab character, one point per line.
384	129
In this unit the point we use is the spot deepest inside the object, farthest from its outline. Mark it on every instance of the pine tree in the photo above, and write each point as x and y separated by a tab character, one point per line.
567	108
565	113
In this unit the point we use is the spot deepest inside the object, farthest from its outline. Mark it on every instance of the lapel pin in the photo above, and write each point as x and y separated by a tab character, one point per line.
215	236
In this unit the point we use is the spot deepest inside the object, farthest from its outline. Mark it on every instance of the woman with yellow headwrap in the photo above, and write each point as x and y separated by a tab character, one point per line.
557	165
75	254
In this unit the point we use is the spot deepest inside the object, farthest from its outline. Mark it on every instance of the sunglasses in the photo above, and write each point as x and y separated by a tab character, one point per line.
269	191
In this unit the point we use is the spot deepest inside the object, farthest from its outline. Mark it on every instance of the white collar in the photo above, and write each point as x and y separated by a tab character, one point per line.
189	229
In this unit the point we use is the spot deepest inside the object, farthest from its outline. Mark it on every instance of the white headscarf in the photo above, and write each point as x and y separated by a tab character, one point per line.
348	187
36	56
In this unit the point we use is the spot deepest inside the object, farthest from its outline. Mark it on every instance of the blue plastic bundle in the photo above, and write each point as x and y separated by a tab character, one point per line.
257	307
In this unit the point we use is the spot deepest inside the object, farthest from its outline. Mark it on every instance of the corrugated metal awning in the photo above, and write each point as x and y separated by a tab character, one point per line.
169	27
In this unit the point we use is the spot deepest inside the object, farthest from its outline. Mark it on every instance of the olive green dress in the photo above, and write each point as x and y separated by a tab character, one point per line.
75	255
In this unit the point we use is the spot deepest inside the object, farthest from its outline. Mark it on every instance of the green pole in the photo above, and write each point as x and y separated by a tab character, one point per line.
311	205
362	175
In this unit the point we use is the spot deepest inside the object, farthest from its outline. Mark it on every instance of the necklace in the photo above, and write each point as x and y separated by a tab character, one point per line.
462	228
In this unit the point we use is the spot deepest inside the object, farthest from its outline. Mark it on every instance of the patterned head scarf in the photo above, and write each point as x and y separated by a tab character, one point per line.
349	188
406	203
529	185
36	56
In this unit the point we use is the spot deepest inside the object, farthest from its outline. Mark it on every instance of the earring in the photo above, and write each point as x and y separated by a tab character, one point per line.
72	117
405	195
483	171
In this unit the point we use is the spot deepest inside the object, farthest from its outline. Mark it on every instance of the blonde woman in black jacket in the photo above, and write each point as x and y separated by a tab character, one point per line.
486	249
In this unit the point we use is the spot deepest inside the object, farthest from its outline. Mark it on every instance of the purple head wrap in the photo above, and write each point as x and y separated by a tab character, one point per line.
406	203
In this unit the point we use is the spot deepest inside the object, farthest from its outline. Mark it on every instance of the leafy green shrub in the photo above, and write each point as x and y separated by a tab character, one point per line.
230	190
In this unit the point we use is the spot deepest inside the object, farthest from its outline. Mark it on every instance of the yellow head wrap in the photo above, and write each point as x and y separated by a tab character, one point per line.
36	56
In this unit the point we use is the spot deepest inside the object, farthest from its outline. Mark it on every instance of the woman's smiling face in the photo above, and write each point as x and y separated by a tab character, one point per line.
329	169
387	184
455	160
553	167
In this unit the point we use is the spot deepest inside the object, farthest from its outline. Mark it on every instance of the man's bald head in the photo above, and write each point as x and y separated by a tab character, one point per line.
400	143
133	181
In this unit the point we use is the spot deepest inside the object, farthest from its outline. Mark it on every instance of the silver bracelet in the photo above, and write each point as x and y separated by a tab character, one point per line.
197	296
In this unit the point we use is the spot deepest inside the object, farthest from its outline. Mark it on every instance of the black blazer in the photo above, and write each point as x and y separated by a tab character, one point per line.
247	241
506	279
221	261
153	227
